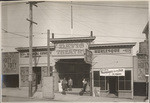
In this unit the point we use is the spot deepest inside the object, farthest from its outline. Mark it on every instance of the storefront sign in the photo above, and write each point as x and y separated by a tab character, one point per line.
112	72
113	51
10	63
70	49
88	56
35	54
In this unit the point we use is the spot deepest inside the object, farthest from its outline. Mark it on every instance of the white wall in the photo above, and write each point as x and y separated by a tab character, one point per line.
112	61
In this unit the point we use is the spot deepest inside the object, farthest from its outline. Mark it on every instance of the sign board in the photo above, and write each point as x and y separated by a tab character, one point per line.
70	49
112	72
10	63
113	51
88	56
35	54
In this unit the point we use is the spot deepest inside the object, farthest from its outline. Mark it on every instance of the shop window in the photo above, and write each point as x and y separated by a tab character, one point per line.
103	82
96	79
125	81
100	81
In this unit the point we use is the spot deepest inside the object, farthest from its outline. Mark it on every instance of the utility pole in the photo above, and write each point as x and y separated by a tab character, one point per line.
48	53
30	44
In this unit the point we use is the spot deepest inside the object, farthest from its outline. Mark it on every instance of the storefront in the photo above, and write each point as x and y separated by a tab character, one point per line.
10	69
113	69
108	67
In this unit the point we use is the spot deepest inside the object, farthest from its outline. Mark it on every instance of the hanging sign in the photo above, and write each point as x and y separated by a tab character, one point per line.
88	56
112	72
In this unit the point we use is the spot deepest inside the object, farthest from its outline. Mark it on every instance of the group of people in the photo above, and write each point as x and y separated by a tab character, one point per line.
67	85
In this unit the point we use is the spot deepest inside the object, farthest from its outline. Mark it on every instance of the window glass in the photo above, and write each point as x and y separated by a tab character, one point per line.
128	85
128	75
121	84
96	83
125	81
102	77
102	84
121	78
96	75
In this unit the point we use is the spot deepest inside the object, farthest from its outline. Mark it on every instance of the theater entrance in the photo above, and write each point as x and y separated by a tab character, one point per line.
77	69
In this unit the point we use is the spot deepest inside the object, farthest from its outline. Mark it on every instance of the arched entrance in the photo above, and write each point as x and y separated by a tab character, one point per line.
77	69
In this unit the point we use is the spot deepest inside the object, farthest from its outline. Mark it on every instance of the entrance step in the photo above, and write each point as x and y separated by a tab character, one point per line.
38	95
111	95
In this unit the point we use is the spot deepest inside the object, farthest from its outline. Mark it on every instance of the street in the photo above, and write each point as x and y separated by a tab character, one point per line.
71	96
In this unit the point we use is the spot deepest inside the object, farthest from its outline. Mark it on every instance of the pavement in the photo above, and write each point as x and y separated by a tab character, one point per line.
18	95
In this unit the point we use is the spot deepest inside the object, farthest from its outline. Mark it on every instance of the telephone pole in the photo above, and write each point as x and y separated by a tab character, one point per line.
30	44
48	52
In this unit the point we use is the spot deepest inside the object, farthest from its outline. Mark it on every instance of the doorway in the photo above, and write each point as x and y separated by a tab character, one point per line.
77	69
113	85
37	75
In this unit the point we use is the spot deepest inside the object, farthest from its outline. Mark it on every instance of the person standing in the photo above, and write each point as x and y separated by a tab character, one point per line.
64	86
84	84
70	83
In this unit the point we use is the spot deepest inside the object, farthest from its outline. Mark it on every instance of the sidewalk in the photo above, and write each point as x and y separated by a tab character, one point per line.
14	94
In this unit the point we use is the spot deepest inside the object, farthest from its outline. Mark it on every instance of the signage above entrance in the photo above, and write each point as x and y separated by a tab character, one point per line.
113	51
65	49
35	54
112	72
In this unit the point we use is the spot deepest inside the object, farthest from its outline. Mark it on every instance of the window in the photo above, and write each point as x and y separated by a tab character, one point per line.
100	81
125	81
96	79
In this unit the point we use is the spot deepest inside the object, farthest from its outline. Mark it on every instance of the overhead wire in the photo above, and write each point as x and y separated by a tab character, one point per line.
97	5
14	33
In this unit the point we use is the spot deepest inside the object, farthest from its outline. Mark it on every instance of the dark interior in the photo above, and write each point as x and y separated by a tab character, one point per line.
140	88
77	69
10	80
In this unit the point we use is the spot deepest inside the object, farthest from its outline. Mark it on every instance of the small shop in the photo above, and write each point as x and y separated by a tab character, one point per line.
113	69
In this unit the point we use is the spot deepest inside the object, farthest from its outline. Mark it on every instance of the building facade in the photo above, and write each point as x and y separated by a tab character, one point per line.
107	67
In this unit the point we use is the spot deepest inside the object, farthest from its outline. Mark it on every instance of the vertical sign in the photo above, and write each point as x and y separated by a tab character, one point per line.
88	56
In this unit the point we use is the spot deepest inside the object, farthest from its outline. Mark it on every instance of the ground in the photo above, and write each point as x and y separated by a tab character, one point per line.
17	95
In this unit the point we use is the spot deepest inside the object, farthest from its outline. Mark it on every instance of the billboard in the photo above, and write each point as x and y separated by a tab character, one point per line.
10	63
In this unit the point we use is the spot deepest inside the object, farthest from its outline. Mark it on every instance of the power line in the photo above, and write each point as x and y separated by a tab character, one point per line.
14	33
102	5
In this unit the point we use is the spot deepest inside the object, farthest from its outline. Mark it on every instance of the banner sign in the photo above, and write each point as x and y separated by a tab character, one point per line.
70	49
10	63
112	72
88	56
35	54
113	51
